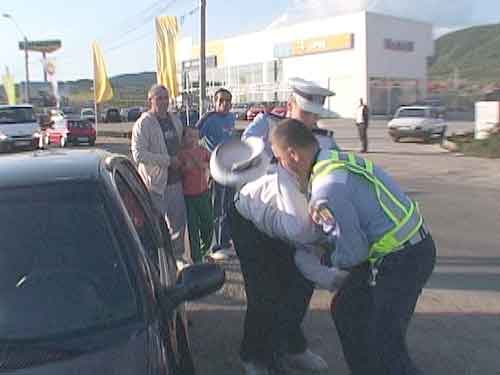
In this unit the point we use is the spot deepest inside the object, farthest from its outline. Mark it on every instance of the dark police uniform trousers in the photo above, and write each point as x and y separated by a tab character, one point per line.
278	295
372	321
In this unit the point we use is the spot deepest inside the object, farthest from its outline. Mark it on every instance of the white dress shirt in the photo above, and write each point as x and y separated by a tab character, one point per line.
276	206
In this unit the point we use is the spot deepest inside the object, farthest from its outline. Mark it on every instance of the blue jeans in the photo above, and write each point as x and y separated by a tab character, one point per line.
223	201
372	321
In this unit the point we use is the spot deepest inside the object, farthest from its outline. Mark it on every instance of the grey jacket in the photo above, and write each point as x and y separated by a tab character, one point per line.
149	150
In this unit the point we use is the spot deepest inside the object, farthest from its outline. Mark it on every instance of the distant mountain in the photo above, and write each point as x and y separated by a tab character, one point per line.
138	82
471	54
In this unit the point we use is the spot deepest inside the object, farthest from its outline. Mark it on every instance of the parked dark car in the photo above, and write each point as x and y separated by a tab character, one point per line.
112	115
194	116
88	282
134	113
240	110
71	131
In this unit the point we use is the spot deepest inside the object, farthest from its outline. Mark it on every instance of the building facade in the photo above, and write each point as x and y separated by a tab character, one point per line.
381	59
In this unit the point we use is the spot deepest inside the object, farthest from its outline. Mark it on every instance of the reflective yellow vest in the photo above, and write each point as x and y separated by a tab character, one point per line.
405	215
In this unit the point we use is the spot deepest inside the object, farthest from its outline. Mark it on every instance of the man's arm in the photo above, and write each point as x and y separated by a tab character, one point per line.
310	266
257	202
351	243
140	147
257	128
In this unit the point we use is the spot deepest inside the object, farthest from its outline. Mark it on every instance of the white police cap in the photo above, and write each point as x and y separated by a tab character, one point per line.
311	97
236	162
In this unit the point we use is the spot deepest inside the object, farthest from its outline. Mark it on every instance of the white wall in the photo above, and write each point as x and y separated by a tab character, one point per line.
383	63
345	72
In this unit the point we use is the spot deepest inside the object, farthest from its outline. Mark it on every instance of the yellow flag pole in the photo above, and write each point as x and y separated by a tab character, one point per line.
95	110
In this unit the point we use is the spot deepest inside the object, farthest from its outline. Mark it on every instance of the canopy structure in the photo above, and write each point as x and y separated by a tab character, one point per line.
43	46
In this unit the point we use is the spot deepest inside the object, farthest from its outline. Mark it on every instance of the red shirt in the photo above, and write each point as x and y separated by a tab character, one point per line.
194	178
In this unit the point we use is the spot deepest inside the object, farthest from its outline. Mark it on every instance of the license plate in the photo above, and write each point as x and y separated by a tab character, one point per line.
82	139
23	143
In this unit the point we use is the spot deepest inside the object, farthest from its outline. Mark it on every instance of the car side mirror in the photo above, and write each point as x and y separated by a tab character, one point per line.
193	282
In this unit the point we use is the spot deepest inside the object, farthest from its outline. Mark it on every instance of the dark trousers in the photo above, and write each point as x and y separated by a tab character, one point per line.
277	294
363	136
200	221
372	321
223	201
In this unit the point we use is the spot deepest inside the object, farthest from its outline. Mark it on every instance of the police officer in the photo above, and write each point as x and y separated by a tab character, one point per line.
379	235
278	294
306	103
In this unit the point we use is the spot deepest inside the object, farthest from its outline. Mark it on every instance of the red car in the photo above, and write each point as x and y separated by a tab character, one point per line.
254	110
73	131
279	110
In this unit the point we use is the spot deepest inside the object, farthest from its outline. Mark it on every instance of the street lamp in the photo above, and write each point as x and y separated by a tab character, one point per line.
26	84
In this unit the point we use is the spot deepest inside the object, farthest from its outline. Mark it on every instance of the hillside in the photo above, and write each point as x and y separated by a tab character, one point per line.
471	54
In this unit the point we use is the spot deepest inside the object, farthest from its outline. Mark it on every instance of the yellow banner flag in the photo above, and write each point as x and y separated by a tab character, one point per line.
167	32
102	86
9	87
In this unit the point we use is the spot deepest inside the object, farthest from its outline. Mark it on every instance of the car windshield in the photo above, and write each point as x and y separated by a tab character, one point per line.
18	115
411	112
60	266
88	113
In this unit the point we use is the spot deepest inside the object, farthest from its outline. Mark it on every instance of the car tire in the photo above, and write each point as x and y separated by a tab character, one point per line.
395	139
92	142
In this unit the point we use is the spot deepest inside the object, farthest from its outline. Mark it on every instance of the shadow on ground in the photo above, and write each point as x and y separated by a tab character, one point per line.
440	343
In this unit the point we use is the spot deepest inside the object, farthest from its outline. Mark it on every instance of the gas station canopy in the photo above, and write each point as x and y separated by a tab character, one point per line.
44	46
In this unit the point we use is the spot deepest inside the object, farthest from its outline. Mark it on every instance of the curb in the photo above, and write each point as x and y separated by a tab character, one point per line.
115	134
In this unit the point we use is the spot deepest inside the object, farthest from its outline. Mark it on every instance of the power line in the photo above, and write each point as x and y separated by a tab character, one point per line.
145	20
182	19
133	19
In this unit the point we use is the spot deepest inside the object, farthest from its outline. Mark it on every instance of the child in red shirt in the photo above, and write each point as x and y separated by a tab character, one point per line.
195	171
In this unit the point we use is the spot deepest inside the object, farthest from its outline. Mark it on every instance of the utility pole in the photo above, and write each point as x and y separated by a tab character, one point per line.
203	59
26	67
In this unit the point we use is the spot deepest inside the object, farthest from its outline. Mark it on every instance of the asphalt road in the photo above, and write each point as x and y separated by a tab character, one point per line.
456	327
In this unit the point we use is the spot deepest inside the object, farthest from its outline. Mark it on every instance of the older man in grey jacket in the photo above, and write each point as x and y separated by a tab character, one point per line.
156	140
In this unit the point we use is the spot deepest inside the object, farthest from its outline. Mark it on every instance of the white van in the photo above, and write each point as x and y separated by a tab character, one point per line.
19	129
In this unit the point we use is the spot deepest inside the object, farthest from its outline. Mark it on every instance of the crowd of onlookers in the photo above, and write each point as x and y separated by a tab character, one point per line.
173	154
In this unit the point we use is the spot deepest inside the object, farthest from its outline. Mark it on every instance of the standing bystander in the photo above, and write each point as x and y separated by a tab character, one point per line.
156	140
362	120
195	172
217	127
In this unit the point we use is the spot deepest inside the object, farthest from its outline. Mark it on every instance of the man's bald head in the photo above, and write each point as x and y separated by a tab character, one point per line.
295	147
293	133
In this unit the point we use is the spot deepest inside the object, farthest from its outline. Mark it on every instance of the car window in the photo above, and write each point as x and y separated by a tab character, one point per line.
61	124
61	267
138	215
411	112
154	235
16	115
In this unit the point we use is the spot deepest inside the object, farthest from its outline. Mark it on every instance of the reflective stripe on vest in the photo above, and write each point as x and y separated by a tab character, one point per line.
406	217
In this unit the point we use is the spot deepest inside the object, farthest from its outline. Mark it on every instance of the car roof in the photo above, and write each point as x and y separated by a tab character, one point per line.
415	107
49	166
16	106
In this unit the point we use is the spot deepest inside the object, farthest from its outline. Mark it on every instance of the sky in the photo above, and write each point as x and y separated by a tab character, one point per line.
125	28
